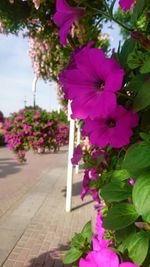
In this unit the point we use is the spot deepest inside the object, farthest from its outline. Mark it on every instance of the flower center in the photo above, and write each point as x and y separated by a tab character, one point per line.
111	123
100	85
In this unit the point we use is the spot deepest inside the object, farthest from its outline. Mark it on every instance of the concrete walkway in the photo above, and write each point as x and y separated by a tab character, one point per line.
35	230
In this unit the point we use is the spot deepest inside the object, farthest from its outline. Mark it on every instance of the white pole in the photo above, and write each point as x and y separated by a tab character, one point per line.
78	143
70	166
34	82
58	109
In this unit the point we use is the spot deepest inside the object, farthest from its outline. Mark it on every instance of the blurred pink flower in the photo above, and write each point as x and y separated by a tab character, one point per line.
64	17
126	4
37	3
77	155
85	186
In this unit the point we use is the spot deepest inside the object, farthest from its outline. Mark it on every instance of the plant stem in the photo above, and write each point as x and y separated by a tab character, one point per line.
110	17
124	95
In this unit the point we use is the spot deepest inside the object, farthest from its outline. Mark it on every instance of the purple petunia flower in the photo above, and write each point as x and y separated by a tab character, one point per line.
37	115
77	155
131	181
115	129
128	264
99	242
91	83
105	257
64	17
126	4
102	255
85	186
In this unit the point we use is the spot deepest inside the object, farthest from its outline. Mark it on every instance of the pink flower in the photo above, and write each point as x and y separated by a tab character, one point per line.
97	154
86	189
131	181
102	256
77	155
20	133
128	264
100	230
37	115
91	81
37	3
49	123
37	123
41	141
64	17
115	129
126	4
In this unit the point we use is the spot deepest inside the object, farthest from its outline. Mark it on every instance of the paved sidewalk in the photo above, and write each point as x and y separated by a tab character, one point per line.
36	231
16	178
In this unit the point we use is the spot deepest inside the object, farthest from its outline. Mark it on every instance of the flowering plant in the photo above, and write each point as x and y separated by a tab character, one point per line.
34	129
109	93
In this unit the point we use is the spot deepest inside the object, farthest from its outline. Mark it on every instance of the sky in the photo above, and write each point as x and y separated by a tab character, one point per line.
16	74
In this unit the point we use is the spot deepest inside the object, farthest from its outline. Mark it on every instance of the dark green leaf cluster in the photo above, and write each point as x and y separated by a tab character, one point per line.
80	245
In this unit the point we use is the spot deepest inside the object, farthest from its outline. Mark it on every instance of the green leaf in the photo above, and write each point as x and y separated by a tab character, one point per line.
141	197
137	82
137	10
120	216
116	191
127	48
72	255
95	183
145	125
123	234
137	158
137	245
142	100
87	231
78	241
147	260
146	67
145	136
135	60
99	159
119	175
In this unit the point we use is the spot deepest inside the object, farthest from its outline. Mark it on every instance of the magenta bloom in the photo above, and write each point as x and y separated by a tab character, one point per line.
49	123
77	155
96	154
91	82
85	186
131	181
64	17
37	115
102	258
100	230
37	123
128	264
126	4
115	129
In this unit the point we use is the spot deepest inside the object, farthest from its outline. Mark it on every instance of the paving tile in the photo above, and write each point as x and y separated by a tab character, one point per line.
48	233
